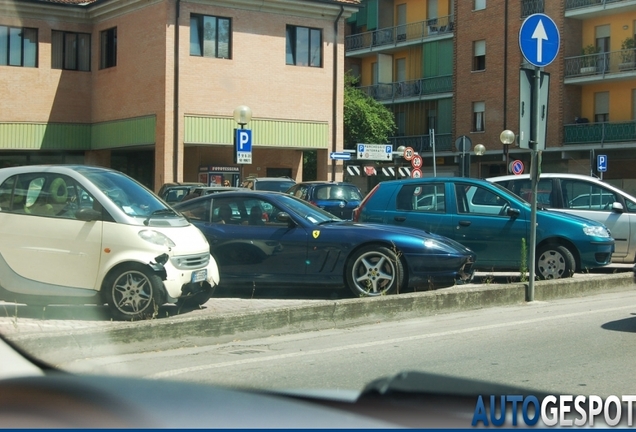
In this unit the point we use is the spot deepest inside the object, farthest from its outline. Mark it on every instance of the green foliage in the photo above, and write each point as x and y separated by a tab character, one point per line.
628	46
365	119
523	265
310	167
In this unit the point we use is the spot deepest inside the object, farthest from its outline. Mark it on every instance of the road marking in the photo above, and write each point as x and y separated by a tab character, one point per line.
174	372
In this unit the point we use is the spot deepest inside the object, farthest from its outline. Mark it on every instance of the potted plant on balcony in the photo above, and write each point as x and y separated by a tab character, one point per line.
588	62
628	59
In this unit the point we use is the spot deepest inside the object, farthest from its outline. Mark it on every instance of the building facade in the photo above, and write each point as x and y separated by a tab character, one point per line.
149	87
450	72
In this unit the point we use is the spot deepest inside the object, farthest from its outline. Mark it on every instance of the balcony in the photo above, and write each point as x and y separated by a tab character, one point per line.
408	91
595	133
593	68
422	143
585	9
400	36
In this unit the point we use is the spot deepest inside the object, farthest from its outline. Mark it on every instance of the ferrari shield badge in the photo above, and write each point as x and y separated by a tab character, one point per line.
316	233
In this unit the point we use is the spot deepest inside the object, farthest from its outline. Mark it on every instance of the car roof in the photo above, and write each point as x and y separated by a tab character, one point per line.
564	176
269	178
546	175
319	182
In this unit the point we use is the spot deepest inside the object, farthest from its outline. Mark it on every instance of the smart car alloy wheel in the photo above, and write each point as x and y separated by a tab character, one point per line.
133	292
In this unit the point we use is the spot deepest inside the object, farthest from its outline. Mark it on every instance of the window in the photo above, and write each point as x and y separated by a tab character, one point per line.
18	46
529	7
422	198
108	43
71	51
304	46
210	36
586	196
601	107
479	55
478	200
479	4
479	111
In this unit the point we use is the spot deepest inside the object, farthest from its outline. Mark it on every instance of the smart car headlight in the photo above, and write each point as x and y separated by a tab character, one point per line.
156	237
596	231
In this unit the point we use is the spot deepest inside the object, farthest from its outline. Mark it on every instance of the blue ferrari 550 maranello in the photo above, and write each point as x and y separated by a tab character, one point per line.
272	239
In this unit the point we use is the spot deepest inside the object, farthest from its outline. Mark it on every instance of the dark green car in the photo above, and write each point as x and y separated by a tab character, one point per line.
492	221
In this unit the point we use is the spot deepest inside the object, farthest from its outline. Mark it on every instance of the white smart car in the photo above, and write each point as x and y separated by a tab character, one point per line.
89	235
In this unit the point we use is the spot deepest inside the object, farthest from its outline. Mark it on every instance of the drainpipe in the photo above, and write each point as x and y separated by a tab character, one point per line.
175	136
334	99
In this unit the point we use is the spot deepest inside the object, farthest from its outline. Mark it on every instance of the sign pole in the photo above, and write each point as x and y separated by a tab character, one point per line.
431	132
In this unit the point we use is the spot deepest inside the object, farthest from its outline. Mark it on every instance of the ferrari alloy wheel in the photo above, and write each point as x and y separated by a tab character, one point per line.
374	271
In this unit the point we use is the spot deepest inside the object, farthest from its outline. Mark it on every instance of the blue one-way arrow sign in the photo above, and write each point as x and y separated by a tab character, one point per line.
539	40
340	155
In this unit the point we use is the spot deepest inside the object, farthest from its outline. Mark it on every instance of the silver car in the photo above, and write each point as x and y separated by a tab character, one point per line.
588	197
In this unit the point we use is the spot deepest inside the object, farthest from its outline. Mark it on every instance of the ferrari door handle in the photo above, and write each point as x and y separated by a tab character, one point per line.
464	223
399	218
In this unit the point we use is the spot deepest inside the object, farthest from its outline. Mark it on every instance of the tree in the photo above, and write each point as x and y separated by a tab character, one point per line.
365	119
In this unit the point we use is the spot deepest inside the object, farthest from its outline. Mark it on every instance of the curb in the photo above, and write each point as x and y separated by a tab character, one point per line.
195	330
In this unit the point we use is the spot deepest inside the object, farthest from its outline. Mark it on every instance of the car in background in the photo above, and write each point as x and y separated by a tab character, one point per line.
89	235
491	221
207	190
276	184
272	239
588	197
337	198
175	192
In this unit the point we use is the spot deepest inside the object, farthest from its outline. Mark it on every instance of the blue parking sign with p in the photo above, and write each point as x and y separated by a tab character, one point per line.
243	146
244	140
601	163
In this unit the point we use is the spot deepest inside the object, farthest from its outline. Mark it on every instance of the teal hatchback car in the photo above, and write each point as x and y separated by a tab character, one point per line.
492	221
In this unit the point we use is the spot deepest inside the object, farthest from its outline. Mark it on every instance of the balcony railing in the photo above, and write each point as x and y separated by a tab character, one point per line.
601	64
409	89
422	143
607	132
392	36
577	4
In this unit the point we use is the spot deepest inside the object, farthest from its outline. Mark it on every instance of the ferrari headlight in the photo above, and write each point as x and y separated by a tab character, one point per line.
157	238
596	231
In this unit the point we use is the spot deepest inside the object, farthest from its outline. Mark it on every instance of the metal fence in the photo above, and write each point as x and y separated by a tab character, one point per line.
576	4
606	132
601	64
409	89
422	143
401	33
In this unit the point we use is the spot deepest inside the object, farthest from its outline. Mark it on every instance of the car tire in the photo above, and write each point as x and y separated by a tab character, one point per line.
554	262
196	300
374	271
133	292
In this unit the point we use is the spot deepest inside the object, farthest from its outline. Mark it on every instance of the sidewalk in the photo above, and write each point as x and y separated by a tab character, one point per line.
89	330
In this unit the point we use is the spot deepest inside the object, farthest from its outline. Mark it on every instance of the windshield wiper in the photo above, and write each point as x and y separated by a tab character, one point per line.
158	212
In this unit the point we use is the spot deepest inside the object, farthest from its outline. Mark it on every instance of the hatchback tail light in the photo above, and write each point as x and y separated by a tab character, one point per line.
358	210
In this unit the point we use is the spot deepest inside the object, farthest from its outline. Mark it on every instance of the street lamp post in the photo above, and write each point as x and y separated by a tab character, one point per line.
507	137
242	115
480	149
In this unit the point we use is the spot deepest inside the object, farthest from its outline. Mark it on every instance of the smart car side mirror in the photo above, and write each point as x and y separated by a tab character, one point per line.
88	214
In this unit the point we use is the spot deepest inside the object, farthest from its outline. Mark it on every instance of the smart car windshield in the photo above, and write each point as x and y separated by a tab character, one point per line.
130	196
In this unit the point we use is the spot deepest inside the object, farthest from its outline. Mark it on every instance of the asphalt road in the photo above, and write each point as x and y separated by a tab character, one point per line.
571	346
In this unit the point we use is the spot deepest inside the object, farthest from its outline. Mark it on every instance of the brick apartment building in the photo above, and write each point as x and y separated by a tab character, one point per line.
453	66
149	87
